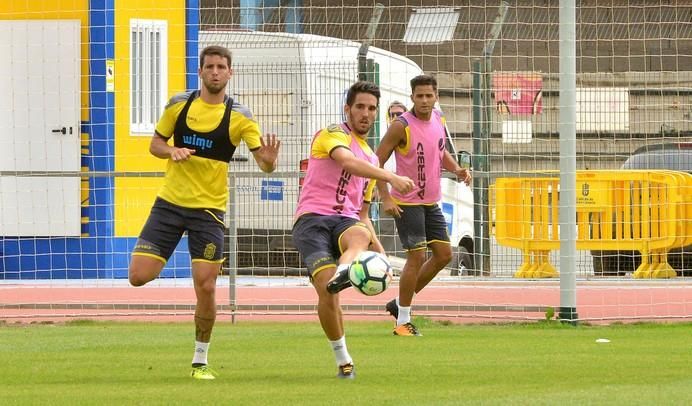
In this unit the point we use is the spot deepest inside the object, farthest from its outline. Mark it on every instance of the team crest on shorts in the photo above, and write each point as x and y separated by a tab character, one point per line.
209	251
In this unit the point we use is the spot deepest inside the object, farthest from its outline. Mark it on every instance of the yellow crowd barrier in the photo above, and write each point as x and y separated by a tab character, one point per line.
646	211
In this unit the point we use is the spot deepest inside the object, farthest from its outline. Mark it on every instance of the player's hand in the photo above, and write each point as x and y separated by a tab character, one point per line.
269	149
464	175
181	154
390	207
402	184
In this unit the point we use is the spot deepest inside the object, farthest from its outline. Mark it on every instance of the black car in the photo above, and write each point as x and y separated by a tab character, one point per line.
672	156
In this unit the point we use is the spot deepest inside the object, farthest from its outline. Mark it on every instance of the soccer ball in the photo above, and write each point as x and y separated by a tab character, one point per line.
370	273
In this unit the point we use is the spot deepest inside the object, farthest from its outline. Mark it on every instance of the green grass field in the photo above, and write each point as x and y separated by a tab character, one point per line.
291	363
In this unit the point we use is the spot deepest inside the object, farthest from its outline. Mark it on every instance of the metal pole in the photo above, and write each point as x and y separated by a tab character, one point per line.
496	28
568	163
480	169
232	246
482	128
486	121
369	36
368	70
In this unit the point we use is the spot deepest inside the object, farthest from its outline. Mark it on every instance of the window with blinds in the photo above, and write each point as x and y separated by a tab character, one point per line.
148	73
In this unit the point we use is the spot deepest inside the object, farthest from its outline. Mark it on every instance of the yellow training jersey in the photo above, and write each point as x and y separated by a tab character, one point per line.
202	181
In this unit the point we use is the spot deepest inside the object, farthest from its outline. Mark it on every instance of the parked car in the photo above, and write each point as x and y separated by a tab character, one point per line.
672	156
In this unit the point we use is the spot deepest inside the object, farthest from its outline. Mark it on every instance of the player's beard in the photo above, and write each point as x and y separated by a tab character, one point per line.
362	133
356	127
215	88
423	110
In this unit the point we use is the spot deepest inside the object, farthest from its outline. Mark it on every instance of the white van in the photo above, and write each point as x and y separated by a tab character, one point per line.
296	84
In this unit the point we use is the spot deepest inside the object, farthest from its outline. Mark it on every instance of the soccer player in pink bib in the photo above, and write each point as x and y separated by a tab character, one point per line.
332	225
417	138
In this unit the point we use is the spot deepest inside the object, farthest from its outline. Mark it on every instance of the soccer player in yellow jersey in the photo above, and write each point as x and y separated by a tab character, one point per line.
206	127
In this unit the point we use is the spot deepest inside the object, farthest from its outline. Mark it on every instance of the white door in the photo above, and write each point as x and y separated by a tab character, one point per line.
39	127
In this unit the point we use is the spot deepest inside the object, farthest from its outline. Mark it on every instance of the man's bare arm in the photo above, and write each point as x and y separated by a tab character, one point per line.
159	148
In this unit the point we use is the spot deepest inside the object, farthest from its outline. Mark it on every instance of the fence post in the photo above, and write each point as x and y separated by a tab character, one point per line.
232	245
568	164
481	171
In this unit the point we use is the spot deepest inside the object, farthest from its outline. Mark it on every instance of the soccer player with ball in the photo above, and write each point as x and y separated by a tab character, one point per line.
417	138
332	226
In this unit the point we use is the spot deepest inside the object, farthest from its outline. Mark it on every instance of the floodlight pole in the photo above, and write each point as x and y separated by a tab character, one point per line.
363	72
482	120
568	164
367	68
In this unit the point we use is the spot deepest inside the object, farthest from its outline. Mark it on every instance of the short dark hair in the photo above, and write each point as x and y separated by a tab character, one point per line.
362	87
215	50
423	80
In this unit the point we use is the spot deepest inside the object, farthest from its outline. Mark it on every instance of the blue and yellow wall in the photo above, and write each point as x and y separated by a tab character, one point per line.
113	208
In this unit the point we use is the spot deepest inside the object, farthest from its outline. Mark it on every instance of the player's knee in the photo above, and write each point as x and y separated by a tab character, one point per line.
356	238
415	258
328	301
207	286
141	272
135	277
444	257
324	298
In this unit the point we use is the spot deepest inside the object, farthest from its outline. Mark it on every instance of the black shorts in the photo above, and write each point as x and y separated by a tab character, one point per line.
317	238
166	224
420	225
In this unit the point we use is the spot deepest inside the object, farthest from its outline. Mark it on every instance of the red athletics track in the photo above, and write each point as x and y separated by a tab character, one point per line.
460	301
